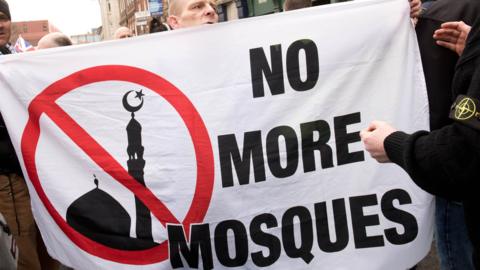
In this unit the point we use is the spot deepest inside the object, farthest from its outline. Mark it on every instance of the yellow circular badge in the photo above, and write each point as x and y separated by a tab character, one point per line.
465	109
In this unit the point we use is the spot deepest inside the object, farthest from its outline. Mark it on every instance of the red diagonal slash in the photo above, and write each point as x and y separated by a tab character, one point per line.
45	103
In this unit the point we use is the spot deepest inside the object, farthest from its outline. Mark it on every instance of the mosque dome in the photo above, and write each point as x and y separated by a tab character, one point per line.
101	218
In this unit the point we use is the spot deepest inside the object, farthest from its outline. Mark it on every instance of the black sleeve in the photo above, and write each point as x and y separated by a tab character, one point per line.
444	162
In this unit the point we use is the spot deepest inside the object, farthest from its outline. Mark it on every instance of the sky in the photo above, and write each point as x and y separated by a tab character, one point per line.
69	16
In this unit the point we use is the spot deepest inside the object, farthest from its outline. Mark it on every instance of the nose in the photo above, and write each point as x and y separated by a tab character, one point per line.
210	11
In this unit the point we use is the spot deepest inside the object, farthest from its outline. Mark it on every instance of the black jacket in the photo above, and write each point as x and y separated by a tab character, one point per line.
8	158
446	162
439	62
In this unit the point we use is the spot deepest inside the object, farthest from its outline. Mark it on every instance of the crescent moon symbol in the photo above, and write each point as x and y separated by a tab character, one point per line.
127	106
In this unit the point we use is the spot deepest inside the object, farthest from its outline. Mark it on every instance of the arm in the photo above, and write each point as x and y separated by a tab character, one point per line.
413	152
444	162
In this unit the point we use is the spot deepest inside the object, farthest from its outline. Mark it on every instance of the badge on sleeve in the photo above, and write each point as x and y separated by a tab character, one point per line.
465	111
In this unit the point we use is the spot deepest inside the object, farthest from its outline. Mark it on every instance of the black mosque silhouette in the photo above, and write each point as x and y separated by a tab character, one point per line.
98	216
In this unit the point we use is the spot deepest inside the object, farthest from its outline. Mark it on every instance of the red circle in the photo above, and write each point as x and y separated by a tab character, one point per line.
189	115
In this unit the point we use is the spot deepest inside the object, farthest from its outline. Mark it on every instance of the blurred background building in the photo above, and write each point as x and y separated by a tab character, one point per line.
32	31
93	36
110	12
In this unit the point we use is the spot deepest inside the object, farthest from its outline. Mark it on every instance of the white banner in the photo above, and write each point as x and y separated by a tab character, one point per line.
228	146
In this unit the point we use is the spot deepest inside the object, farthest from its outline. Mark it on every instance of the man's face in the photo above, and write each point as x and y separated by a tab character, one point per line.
5	28
193	12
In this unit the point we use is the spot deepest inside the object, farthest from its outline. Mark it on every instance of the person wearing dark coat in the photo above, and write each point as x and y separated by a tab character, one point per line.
14	196
444	162
451	236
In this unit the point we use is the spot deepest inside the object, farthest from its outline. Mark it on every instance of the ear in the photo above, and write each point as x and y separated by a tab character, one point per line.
173	22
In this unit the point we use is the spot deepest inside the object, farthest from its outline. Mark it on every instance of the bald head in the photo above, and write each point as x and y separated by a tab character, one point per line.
122	32
175	7
53	40
187	13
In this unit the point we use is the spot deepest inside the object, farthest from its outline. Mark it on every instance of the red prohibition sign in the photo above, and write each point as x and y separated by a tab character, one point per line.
44	103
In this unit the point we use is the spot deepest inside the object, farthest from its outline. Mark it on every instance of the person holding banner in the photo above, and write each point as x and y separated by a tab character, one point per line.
14	197
451	236
444	162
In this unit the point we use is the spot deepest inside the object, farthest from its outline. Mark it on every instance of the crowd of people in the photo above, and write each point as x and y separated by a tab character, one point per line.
442	161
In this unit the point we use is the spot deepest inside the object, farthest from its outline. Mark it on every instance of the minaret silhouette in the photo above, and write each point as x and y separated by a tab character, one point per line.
136	165
100	217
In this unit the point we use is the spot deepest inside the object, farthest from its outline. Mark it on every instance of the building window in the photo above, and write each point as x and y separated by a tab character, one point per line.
222	13
242	8
109	7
